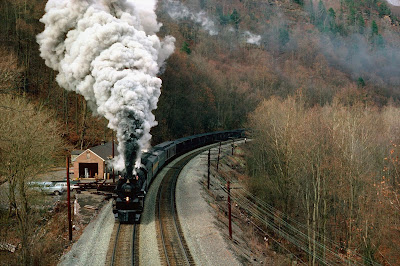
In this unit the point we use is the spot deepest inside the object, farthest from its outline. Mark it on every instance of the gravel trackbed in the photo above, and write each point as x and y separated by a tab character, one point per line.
92	246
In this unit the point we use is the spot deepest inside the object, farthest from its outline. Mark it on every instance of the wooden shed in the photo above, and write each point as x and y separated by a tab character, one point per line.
93	162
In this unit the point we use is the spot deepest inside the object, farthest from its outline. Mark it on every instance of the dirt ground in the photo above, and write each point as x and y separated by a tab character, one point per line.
49	223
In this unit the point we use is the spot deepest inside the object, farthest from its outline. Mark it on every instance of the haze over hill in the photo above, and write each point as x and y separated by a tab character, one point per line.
394	2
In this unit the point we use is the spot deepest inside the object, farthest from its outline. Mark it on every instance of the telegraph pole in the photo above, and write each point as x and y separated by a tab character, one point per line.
69	202
229	210
209	164
219	152
113	176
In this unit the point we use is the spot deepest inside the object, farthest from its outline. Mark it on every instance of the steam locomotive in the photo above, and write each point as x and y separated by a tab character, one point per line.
131	191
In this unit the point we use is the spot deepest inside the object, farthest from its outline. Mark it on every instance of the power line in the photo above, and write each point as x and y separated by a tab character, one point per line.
290	232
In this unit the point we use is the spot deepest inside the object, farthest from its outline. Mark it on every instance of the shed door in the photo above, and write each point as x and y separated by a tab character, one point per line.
88	170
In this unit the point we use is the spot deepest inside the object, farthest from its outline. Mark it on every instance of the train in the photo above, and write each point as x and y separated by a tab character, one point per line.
131	190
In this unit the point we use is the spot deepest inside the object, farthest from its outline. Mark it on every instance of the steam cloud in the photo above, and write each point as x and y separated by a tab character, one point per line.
107	51
394	2
252	38
176	10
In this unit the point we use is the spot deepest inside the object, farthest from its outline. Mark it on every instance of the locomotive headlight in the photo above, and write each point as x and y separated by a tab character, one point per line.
127	199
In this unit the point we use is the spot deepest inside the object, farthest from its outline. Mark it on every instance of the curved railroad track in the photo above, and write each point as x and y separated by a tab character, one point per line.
124	248
173	249
171	242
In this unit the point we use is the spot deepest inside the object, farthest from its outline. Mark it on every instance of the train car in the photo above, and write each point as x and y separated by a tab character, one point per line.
131	192
169	147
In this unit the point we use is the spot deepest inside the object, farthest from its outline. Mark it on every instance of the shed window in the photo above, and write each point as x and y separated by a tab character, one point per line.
88	155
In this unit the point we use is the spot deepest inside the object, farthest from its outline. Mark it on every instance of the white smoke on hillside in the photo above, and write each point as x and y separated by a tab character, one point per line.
252	38
176	10
394	2
107	51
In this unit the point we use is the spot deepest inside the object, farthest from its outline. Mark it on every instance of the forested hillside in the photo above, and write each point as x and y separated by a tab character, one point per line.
229	56
324	48
317	81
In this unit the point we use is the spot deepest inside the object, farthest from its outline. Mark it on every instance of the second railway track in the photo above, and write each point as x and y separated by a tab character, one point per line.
172	244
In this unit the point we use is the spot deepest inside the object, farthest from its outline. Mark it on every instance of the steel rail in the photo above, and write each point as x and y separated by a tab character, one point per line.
161	225
176	219
133	244
120	240
168	186
115	246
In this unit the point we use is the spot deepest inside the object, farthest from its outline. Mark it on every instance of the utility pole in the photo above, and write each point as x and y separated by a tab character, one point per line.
69	202
209	164
219	152
229	209
113	176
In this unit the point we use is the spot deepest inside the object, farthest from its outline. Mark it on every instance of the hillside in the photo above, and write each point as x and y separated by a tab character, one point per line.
321	48
229	56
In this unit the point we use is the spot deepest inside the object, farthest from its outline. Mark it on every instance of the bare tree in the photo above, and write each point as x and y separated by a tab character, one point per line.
329	167
10	73
29	140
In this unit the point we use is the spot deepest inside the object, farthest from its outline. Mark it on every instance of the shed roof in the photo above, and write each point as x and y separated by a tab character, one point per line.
105	150
76	152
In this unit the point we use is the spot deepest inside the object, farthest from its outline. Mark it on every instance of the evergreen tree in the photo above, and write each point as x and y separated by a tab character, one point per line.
223	19
321	16
311	11
374	28
300	2
235	18
383	9
332	19
360	82
185	48
352	16
360	23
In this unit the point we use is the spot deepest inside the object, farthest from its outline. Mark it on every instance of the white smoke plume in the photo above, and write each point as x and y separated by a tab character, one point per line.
176	10
394	2
252	38
107	51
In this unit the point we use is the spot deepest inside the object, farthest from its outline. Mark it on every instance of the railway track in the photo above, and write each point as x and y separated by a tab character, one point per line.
124	248
172	244
173	249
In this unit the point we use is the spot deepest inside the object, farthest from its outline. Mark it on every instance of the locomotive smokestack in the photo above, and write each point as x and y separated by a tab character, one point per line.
107	51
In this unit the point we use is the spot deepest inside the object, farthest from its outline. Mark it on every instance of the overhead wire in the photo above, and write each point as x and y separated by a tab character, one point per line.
291	228
278	230
292	234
